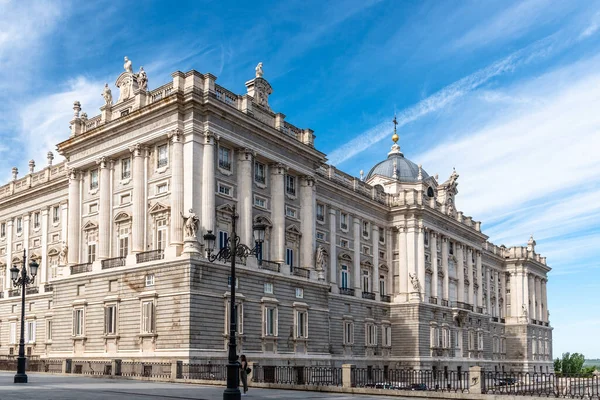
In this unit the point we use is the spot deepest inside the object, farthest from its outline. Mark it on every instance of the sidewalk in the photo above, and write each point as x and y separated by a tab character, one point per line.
60	387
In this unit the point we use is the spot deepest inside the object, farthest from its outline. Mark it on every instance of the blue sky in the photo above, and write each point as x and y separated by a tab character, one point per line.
506	92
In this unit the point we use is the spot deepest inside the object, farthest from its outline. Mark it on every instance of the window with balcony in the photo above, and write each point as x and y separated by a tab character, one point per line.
223	239
260	173
162	159
426	238
344	221
290	185
93	179
344	277
366	281
289	257
320	212
382	235
382	285
224	158
365	229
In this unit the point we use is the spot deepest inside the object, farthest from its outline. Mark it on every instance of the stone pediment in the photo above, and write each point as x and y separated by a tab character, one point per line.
122	217
344	257
366	262
159	208
226	208
89	226
53	251
293	230
263	219
383	267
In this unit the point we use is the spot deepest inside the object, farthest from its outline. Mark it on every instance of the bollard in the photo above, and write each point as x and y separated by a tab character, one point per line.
115	368
252	365
476	380
176	369
347	375
66	366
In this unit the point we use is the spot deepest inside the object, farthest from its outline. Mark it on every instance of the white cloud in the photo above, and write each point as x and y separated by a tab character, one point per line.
592	27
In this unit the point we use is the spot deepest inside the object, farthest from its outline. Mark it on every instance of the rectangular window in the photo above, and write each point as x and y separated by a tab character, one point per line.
268	288
147	325
36	220
366	277
126	168
161	234
149	280
387	336
113	285
223	239
366	250
445	338
224	158
260	173
344	280
78	321
239	317
91	252
451	247
382	285
93	179
123	241
320	212
381	235
19	225
48	330
371	335
93	208
30	328
348	332
162	159
365	230
110	319
291	212
480	340
426	238
290	185
299	293
55	214
13	333
344	243
80	290
320	235
270	321
344	221
162	188
289	257
302	324
3	230
260	202
225	190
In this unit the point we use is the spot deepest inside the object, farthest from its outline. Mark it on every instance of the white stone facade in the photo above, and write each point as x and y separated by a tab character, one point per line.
402	278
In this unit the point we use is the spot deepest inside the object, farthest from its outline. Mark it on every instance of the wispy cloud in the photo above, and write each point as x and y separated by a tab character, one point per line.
446	96
592	27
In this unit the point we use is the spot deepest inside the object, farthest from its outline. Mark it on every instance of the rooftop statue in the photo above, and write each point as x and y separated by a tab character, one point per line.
259	70
127	66
107	94
142	79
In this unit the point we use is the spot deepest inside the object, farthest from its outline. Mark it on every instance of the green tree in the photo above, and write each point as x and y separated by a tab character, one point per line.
570	364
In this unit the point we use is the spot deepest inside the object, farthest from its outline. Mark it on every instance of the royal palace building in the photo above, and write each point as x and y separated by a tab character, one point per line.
380	270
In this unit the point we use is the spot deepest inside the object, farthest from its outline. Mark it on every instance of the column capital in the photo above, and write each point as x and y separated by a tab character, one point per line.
469	249
103	162
26	216
175	135
74	174
434	234
332	211
278	168
10	221
210	137
400	228
246	154
444	238
138	150
45	210
307	180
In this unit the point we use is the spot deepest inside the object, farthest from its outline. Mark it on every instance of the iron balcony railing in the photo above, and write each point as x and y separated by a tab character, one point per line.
81	268
113	262
151	255
303	272
347	291
445	303
14	292
32	290
48	288
460	304
480	310
368	295
386	298
433	300
270	265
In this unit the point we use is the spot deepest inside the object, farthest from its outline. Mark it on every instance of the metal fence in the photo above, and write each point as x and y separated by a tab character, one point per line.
213	372
92	367
407	379
146	369
542	385
298	375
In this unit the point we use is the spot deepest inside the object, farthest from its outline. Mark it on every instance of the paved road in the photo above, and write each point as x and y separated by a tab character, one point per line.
58	387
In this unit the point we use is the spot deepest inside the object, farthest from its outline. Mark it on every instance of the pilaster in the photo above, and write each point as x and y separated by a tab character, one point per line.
356	258
176	225
433	236
421	259
333	270
9	247
460	271
445	294
193	159
402	285
307	210
244	194
538	291
74	216
208	183
104	209
375	238
139	154
531	297
43	274
278	172
478	268
471	291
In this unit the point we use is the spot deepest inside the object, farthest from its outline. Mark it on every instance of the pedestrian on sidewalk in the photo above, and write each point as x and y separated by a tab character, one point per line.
244	371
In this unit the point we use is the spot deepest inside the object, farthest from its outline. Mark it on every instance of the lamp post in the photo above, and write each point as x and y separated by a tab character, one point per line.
21	279
228	253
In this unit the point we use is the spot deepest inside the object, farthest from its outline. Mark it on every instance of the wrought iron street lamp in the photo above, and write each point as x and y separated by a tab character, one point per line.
21	279
229	253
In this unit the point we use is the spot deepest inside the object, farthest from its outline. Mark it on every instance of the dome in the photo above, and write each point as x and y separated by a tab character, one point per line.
405	170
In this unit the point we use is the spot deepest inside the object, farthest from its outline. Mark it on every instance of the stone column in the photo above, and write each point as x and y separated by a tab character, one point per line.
356	257
488	300
421	259
64	216
460	272
514	296
192	175
531	297
503	294
538	291
104	210
375	283
411	259
9	247
176	224
43	274
544	317
402	262
278	211
471	300
245	198
332	251
138	153
446	288
26	234
307	210
389	240
74	218
496	276
479	272
525	285
434	264
208	184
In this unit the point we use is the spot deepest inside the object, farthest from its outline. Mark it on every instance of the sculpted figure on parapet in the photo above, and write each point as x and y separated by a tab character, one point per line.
191	224
415	282
128	66
107	94
142	79
62	255
321	258
259	70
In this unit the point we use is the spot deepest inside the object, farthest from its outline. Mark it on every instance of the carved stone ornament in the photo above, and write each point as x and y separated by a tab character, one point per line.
415	282
263	90
321	258
191	224
107	94
127	82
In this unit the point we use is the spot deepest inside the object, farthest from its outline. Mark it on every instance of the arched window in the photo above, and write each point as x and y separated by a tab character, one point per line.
430	192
